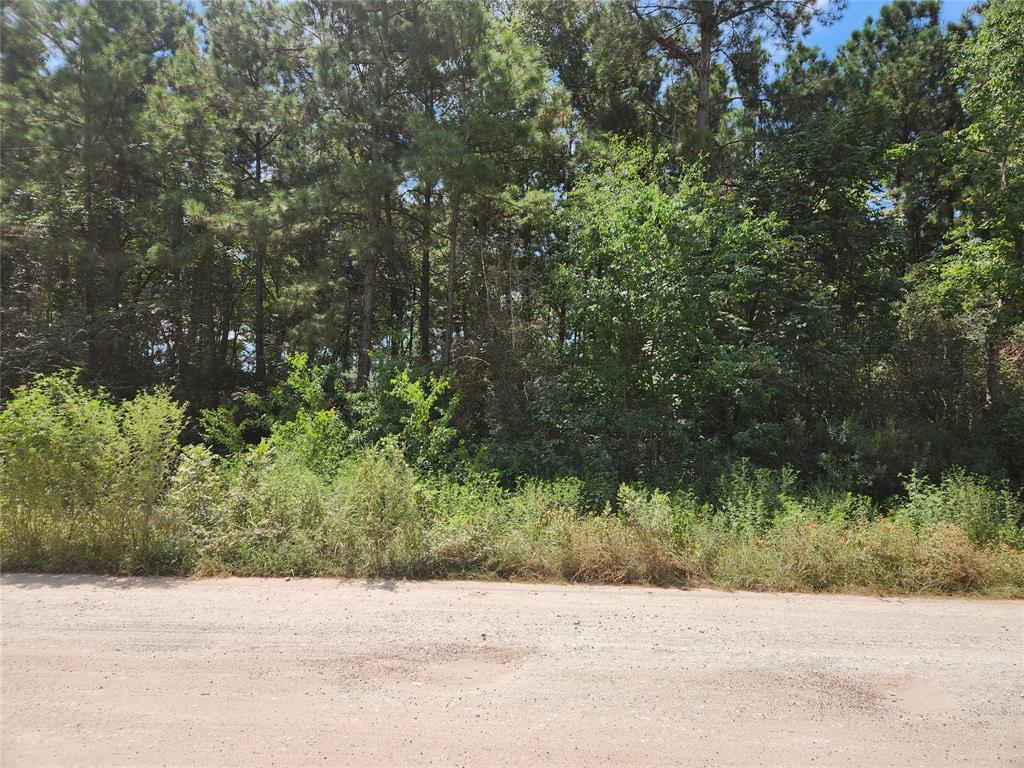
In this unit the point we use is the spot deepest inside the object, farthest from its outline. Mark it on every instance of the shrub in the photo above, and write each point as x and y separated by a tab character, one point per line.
425	432
652	513
219	428
749	498
884	555
986	514
296	416
382	505
318	439
543	502
258	513
81	476
88	483
469	523
197	489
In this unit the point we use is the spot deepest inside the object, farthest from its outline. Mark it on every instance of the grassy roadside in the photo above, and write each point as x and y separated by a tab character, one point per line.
376	517
87	485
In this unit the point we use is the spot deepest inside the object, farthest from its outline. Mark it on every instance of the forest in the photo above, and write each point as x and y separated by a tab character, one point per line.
638	290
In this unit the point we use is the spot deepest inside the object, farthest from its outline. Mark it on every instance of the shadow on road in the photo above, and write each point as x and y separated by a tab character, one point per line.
57	580
385	584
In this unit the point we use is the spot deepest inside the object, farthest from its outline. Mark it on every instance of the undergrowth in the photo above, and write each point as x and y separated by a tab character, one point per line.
90	484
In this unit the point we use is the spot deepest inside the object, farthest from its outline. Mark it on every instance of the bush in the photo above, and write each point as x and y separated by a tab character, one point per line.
986	514
652	513
381	506
749	498
470	524
320	440
87	483
256	514
295	416
81	477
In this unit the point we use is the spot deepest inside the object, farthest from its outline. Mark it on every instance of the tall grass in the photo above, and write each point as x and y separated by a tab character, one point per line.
89	484
82	479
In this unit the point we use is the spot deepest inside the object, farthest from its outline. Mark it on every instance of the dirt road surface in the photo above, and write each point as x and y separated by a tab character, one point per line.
233	672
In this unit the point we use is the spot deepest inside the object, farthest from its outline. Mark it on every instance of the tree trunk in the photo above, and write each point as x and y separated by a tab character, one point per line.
449	311
993	341
227	320
369	285
260	256
425	282
194	341
346	340
211	342
707	26
261	361
114	333
102	285
89	285
412	322
397	299
991	370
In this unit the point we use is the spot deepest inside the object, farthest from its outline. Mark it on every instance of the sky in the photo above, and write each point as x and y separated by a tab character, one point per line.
831	37
857	11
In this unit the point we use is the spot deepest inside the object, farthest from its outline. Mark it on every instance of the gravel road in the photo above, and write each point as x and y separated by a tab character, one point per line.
255	672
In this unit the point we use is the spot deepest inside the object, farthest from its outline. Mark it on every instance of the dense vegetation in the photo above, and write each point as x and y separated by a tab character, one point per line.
91	484
451	286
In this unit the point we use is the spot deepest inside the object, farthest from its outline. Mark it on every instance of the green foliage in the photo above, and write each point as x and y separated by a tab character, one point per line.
304	388
750	498
219	427
197	488
81	478
426	432
652	513
118	496
382	506
133	504
320	439
621	261
676	290
969	503
296	415
456	287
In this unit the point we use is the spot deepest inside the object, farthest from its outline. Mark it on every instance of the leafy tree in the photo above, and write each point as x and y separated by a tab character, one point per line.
686	302
358	81
980	274
697	35
633	240
91	166
253	48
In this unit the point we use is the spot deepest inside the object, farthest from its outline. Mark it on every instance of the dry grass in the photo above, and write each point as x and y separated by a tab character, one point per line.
142	506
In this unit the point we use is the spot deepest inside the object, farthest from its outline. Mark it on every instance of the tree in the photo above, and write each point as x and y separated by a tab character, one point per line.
981	272
603	61
688	307
192	283
493	120
253	51
698	35
896	74
91	167
634	248
441	63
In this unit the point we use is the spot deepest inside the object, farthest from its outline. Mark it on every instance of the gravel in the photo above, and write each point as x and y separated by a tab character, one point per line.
268	672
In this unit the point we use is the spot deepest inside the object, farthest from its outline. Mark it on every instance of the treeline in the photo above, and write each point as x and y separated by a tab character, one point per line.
640	240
